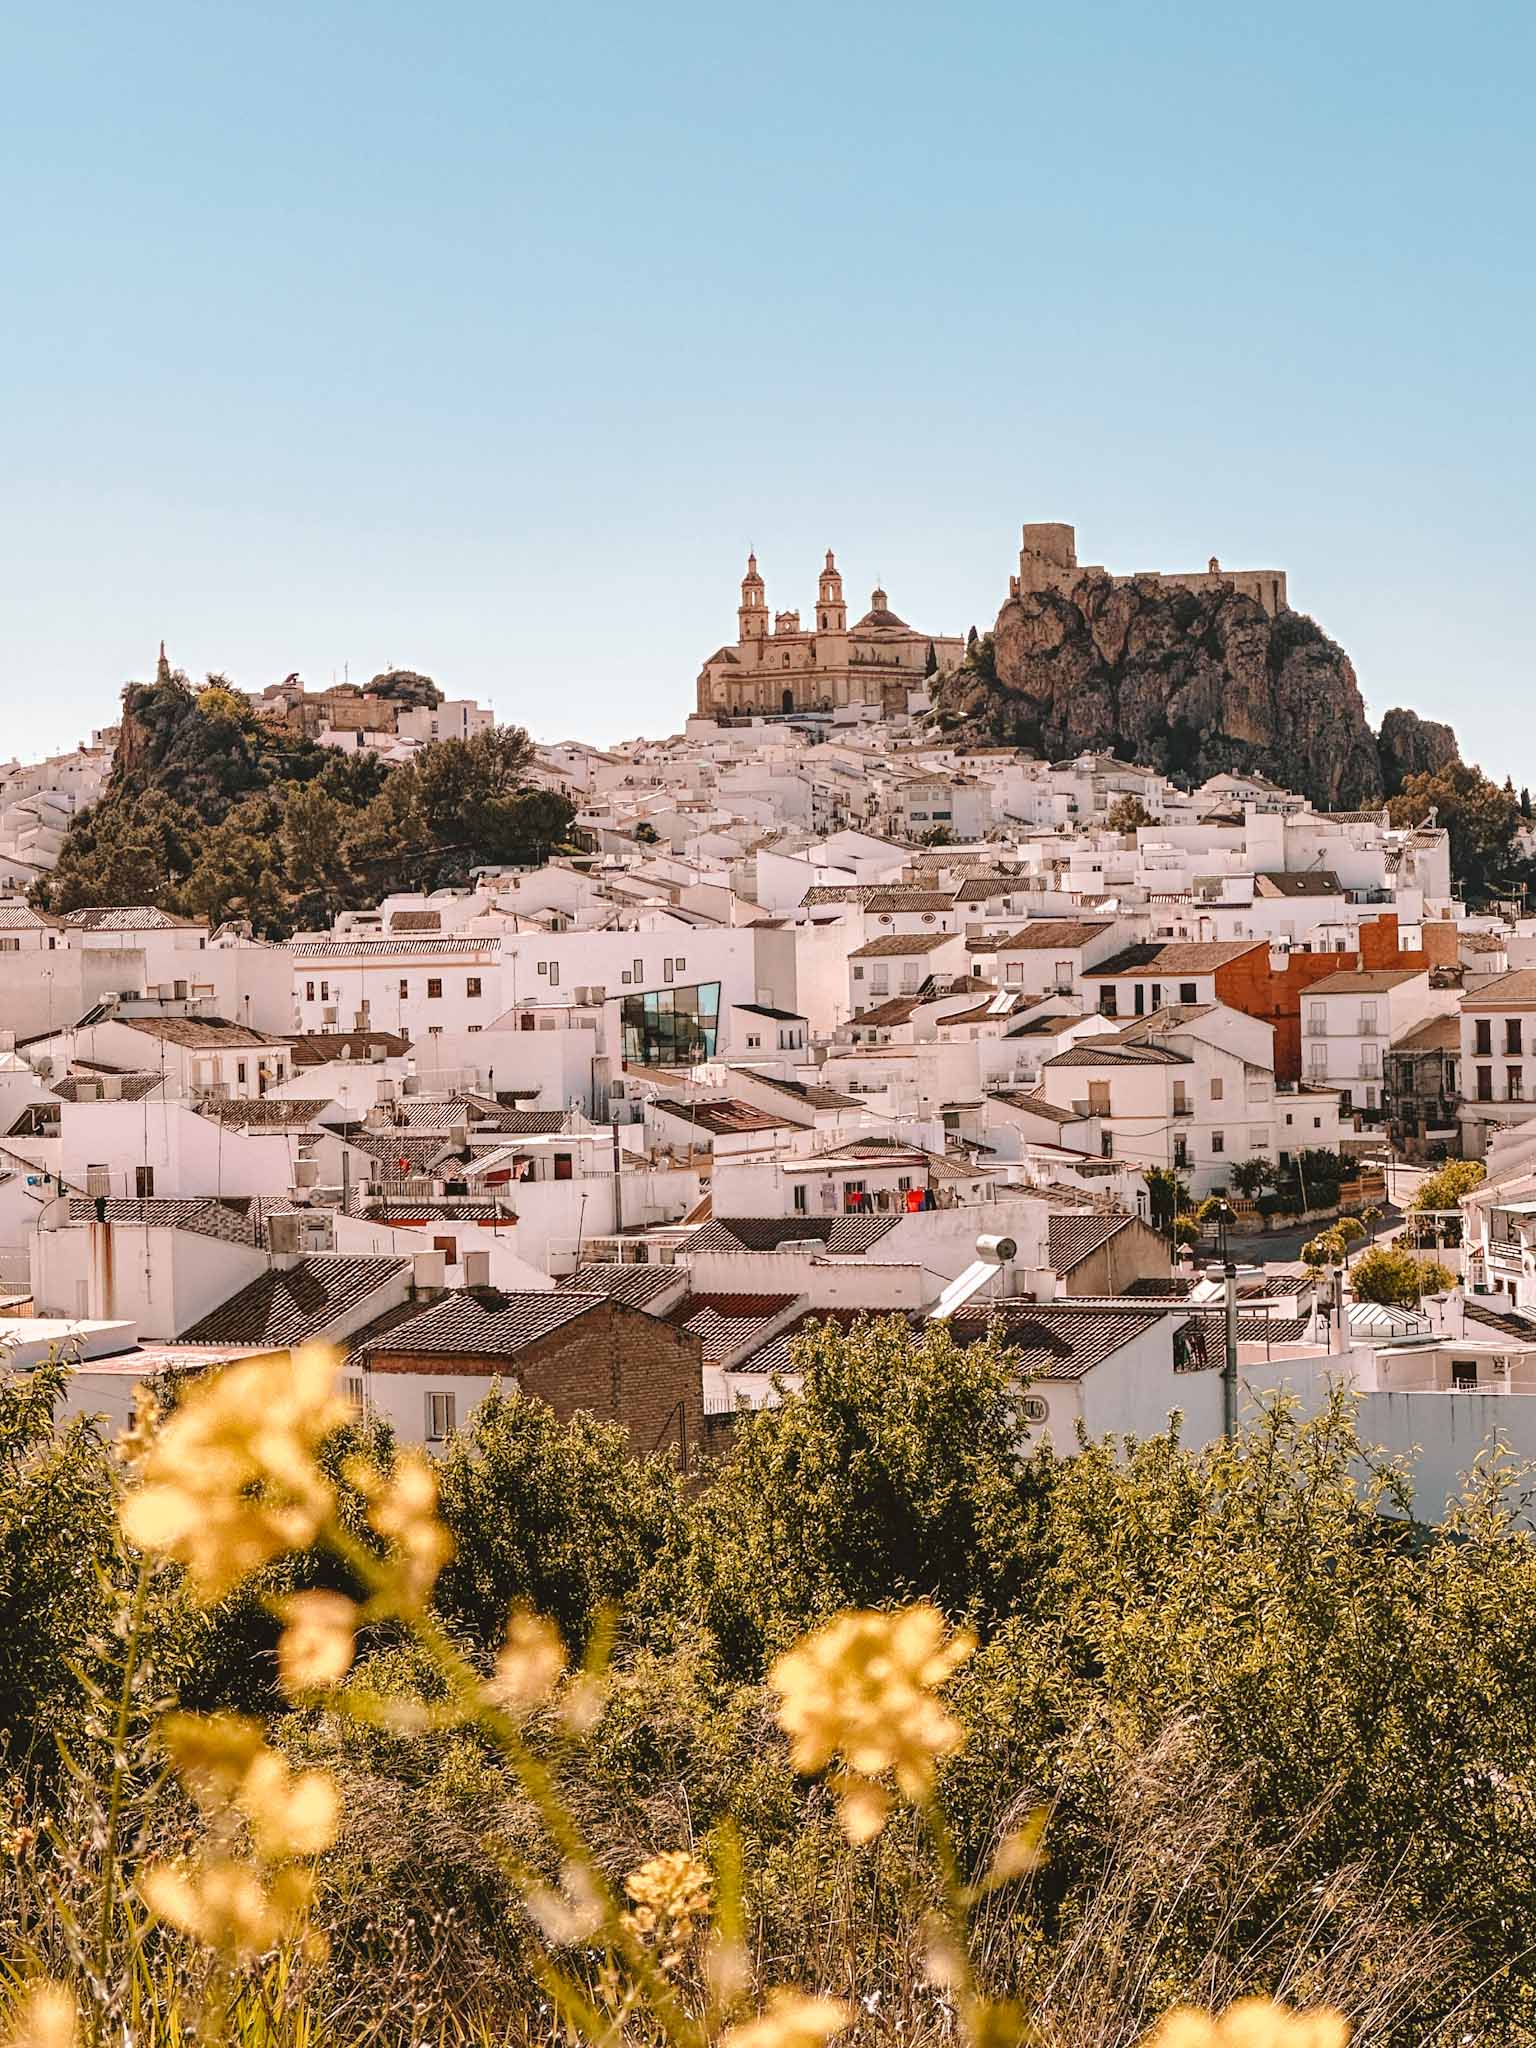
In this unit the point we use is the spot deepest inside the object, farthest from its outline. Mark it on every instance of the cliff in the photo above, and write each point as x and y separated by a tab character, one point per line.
1191	683
1411	745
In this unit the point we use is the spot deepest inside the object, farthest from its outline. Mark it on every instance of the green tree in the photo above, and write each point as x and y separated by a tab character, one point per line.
1481	818
1251	1176
1127	814
1167	1195
1392	1275
1444	1188
312	838
894	1473
238	870
563	1517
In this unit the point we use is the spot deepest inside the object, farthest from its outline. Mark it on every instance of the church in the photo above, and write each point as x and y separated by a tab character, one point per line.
874	662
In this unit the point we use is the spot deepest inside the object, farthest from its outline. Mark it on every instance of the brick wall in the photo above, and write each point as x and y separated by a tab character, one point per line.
1253	985
614	1362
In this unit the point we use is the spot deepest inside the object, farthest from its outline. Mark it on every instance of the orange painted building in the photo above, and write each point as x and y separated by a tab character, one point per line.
1254	985
1249	975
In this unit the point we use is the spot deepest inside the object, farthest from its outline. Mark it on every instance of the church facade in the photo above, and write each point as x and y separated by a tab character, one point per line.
778	666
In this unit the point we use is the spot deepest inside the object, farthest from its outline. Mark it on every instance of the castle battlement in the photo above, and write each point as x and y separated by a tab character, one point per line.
1048	561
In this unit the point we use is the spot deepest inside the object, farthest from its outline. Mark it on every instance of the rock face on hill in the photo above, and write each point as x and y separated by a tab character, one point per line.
1411	745
1189	682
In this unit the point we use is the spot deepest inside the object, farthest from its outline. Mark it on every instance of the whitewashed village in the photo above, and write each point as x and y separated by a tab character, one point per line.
821	1014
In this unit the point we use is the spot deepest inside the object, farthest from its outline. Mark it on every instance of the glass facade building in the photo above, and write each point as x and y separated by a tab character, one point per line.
671	1027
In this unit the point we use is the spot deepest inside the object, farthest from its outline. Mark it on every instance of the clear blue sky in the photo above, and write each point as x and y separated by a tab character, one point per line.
484	339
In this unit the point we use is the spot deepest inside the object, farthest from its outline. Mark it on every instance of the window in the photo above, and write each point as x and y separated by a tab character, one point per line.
1512	1035
144	1183
679	963
563	1166
858	971
1109	1002
1514	1083
325	991
1216	1086
801	1198
554	973
434	987
472	985
1187	991
1139	1000
449	1247
434	1031
442	1417
1485	1084
639	972
754	1040
1317	1020
666	969
1098	1098
543	967
1482	1030
309	991
1157	995
405	990
352	1387
1463	1373
1106	1144
240	1071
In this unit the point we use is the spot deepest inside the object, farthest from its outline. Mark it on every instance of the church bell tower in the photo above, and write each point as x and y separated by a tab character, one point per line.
752	612
831	611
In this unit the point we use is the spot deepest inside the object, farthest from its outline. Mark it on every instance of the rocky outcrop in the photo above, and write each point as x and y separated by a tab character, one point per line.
1189	682
1411	745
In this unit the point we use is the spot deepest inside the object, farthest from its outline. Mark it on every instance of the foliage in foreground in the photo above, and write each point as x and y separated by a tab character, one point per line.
1176	1727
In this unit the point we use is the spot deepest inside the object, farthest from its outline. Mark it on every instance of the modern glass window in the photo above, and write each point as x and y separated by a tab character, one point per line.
670	1027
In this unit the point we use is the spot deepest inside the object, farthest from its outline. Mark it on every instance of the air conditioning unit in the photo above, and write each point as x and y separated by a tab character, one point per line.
329	1015
306	1173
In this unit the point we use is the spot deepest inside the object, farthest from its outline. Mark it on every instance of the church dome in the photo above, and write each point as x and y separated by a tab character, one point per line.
880	614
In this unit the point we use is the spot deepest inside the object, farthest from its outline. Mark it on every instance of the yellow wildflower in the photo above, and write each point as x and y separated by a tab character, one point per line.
791	2020
133	1445
229	1905
574	1913
44	2017
231	1481
671	1892
404	1510
320	1640
1250	2023
229	1769
530	1664
865	1687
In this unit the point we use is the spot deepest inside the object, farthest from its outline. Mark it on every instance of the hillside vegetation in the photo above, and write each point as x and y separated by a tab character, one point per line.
1210	1724
213	812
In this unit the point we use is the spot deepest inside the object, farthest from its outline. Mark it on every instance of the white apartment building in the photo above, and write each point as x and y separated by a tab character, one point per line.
1349	1021
1498	1058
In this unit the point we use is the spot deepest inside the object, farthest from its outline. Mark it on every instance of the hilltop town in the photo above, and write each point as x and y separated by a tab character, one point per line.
807	1000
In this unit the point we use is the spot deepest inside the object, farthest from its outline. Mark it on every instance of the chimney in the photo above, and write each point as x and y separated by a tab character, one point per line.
477	1269
429	1272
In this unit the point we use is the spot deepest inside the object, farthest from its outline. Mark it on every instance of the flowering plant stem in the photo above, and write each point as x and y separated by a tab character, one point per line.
466	1688
117	1780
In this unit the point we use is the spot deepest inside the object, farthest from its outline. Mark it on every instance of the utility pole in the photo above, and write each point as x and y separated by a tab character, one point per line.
618	1182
